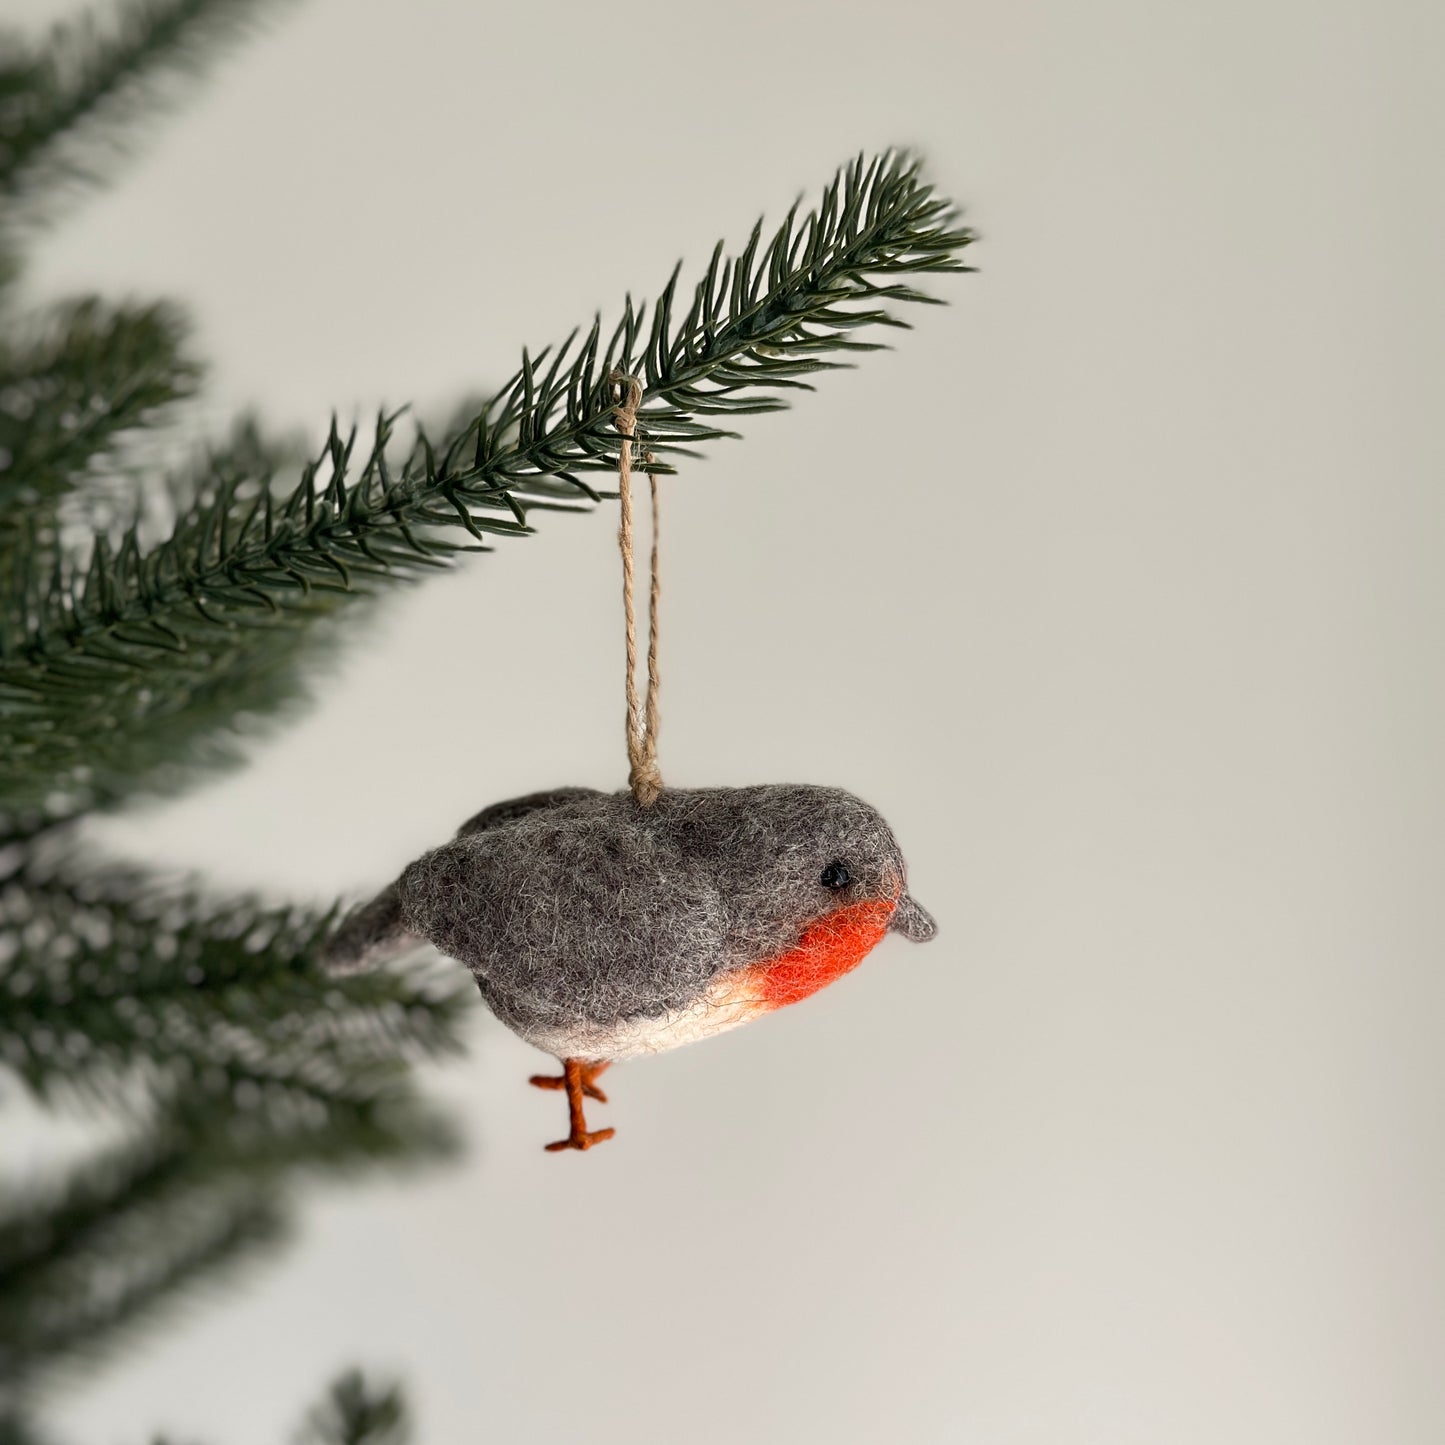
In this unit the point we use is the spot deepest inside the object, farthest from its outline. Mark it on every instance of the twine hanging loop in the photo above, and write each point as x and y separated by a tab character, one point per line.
643	776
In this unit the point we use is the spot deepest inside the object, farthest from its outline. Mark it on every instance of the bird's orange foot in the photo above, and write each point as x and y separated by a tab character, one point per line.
576	1078
589	1069
584	1140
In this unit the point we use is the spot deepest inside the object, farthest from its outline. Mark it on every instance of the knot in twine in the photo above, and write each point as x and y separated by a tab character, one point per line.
643	776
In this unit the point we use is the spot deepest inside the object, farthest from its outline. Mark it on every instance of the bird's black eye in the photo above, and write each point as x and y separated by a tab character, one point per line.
836	875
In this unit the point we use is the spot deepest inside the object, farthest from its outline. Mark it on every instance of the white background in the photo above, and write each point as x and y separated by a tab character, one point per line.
1117	587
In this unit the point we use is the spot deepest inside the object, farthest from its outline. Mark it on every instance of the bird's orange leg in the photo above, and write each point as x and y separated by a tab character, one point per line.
590	1068
576	1077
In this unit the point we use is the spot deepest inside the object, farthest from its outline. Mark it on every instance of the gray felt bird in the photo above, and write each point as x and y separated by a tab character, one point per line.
598	929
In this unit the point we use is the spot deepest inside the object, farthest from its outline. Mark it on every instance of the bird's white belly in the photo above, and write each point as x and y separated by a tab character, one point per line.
729	1002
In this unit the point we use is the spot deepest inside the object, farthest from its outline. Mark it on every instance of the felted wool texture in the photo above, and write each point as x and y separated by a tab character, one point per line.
376	932
599	928
371	935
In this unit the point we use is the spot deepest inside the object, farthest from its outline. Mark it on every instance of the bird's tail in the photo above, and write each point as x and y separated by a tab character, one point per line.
370	936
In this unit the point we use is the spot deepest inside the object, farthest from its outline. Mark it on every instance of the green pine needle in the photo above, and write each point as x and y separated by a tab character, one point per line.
125	643
86	377
114	987
151	617
69	104
357	1411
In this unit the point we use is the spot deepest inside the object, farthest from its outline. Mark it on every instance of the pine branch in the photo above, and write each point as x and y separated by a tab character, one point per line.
84	1258
77	1306
255	686
358	1412
124	645
19	1429
111	984
199	1191
182	1152
43	1226
67	106
87	376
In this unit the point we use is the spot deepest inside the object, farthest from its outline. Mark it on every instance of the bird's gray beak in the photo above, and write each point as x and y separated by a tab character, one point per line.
912	921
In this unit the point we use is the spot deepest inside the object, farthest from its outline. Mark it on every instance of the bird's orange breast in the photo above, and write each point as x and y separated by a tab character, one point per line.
829	948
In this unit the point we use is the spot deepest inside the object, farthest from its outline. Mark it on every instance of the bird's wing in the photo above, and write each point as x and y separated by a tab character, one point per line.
499	813
584	913
377	932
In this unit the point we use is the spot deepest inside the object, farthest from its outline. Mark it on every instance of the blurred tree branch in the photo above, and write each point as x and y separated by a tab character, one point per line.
155	613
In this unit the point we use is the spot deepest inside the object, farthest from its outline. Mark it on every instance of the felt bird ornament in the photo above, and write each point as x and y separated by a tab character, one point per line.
599	929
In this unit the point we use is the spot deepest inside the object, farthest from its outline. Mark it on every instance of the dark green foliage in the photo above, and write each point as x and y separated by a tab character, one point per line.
106	978
18	1429
67	104
240	1065
137	636
71	390
198	1027
85	1259
156	610
357	1412
88	1263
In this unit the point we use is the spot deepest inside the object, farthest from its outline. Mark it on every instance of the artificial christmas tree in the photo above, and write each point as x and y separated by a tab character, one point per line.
151	615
